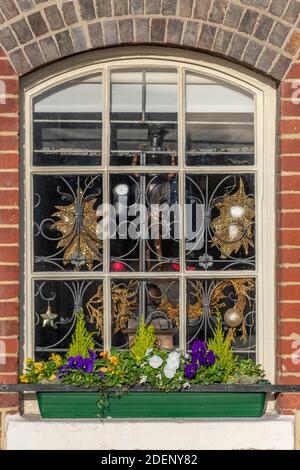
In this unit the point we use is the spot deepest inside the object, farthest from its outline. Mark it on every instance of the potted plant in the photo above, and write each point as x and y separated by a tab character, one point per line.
146	382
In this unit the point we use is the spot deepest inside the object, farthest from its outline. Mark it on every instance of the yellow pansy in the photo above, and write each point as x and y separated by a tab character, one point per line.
57	359
38	366
24	379
52	377
29	361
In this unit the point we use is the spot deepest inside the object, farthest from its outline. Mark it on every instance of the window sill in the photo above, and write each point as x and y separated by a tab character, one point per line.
271	432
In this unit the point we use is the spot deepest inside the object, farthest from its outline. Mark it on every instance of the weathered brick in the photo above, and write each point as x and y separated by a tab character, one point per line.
8	327
264	27
289	126
207	36
290	108
233	15
10	160
49	49
261	3
9	254
22	31
290	201
9	273
169	7
174	31
34	54
280	68
79	39
158	27
86	8
110	32
252	51
136	7
6	68
237	46
37	24
19	62
287	402
8	400
277	7
7	39
9	216
69	13
290	183
290	146
25	5
218	11
222	41
9	9
9	123
289	220
186	7
11	365
11	345
201	9
126	31
142	26
292	13
153	6
54	17
248	21
9	309
279	34
294	71
96	36
11	105
120	7
266	59
64	43
103	8
289	275
293	46
9	197
190	34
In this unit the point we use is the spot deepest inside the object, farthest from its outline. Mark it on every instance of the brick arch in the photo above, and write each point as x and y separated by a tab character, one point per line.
261	34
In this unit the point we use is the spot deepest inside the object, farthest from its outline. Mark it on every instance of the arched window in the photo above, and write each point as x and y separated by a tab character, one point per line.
149	191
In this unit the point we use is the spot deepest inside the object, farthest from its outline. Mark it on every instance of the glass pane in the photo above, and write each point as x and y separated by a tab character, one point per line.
219	123
56	305
235	300
219	222
156	299
143	229
67	124
143	127
66	222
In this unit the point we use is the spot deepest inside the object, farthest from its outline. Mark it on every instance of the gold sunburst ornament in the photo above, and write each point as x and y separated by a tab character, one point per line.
78	225
233	228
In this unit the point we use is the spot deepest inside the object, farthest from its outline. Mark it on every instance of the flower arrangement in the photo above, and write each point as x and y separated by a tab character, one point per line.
144	364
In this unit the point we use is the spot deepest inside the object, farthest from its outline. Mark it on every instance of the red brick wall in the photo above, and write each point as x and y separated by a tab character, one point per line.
288	345
9	232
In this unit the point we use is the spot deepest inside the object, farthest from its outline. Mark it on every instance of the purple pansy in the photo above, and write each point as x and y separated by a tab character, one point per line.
87	365
201	357
92	354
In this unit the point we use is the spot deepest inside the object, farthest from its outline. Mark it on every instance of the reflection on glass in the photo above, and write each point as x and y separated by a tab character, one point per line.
219	123
155	299
143	232
235	300
66	230
67	124
143	117
56	308
219	221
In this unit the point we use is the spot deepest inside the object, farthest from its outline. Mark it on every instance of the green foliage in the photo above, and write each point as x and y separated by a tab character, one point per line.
247	372
82	340
144	340
221	347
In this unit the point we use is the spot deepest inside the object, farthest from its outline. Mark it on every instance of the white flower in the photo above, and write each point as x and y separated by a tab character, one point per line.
173	360
155	362
149	351
143	379
186	385
169	372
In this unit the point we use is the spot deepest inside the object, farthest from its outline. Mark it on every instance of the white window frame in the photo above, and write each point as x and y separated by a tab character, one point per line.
264	91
